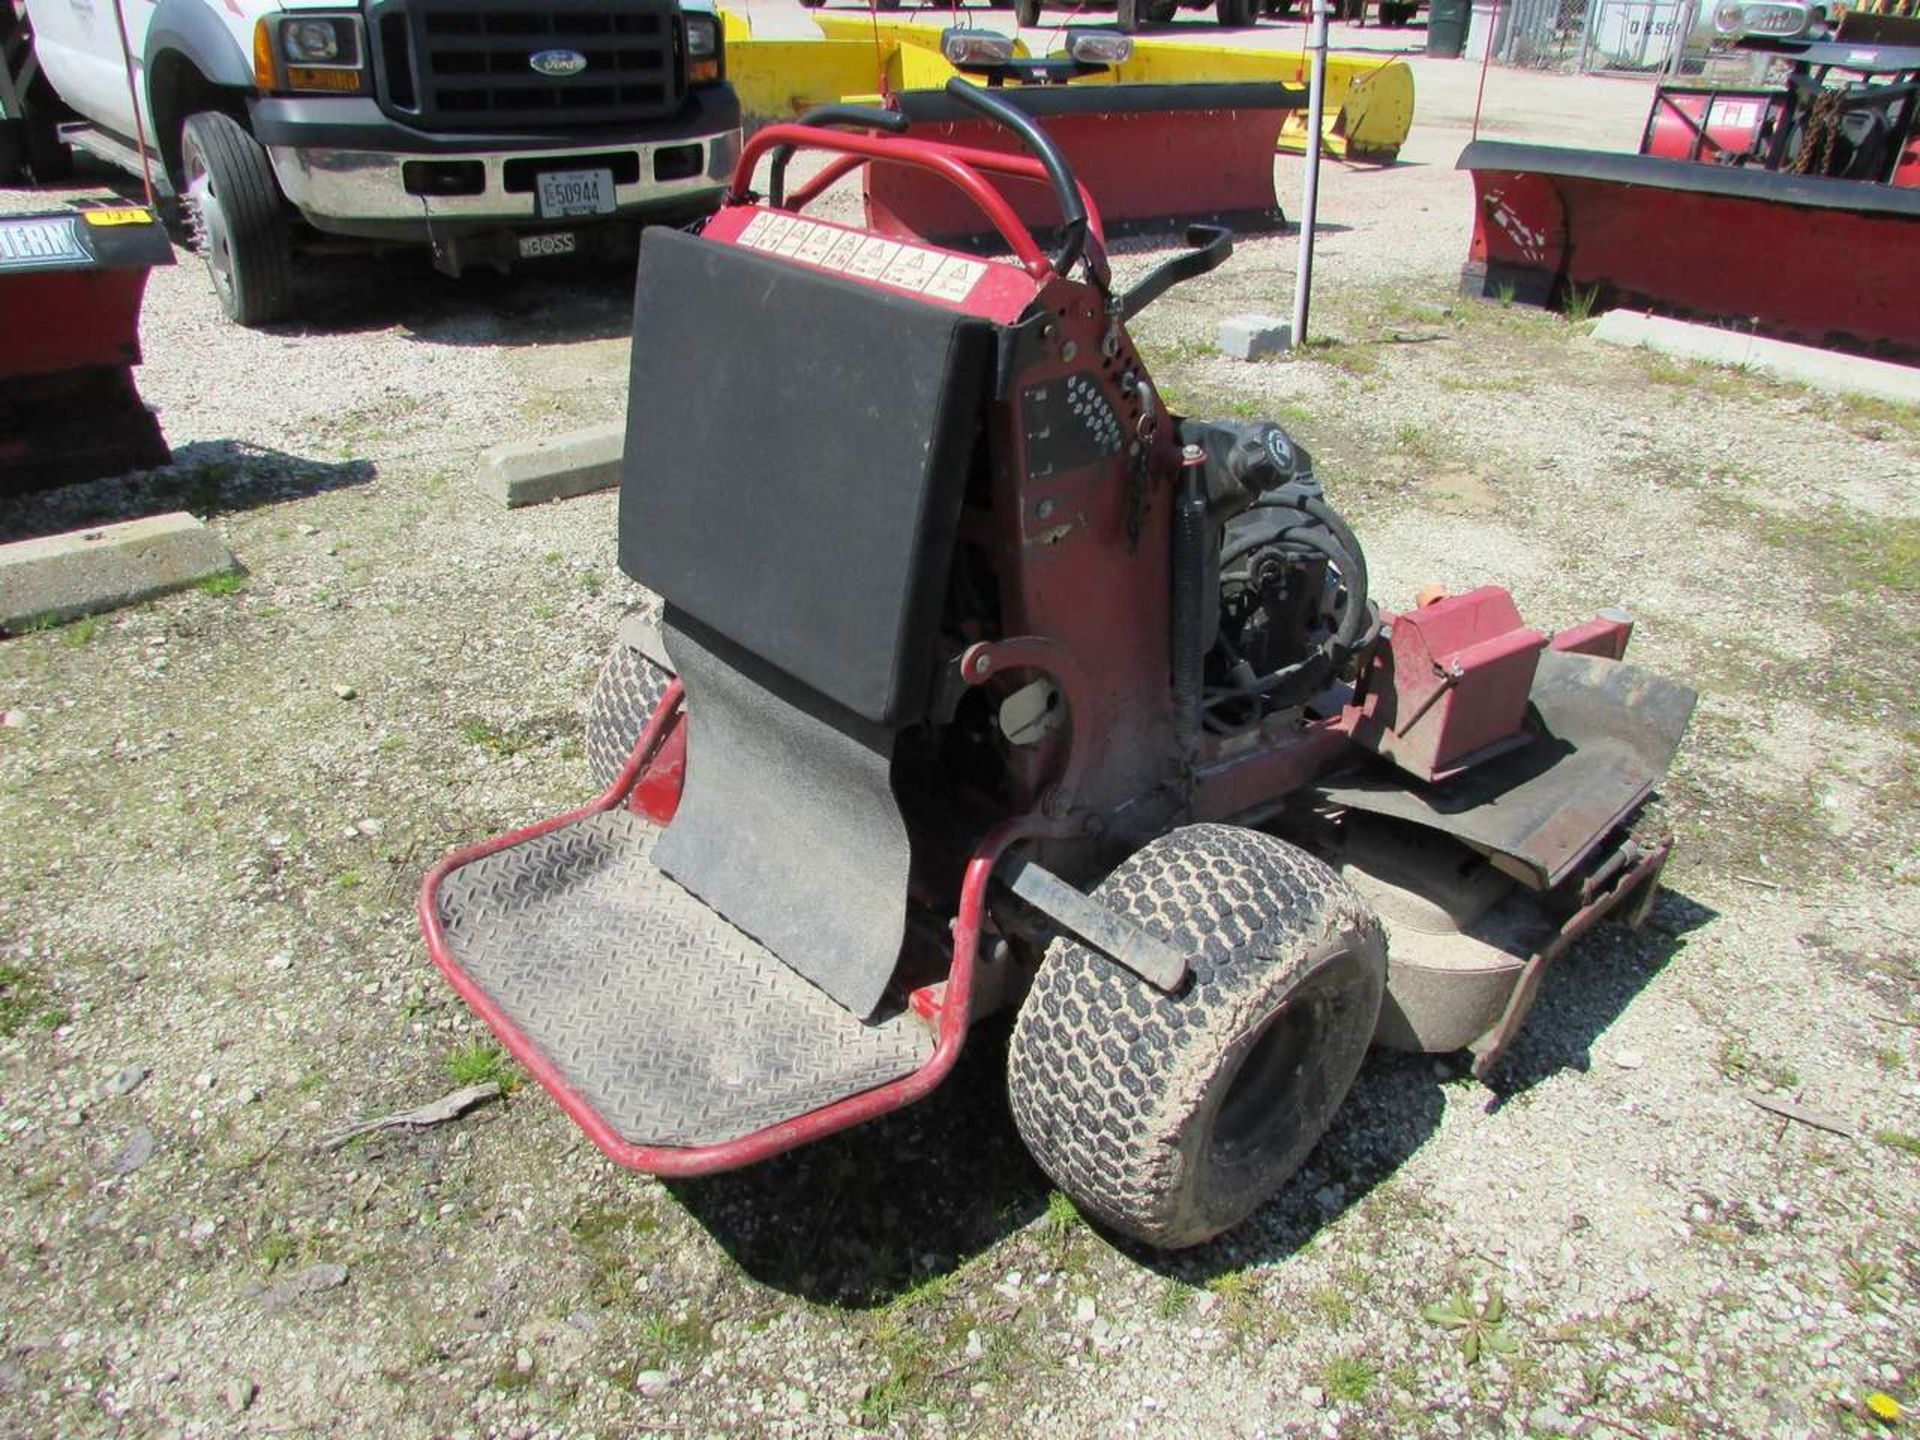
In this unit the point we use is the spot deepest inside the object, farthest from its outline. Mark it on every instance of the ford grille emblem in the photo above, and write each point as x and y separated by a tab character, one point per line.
558	63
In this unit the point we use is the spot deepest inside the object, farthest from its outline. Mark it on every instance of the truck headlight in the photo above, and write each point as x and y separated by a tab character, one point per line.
315	42
703	48
315	53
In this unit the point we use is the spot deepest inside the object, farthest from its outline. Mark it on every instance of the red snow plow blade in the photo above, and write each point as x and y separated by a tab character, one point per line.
1814	259
1156	157
70	290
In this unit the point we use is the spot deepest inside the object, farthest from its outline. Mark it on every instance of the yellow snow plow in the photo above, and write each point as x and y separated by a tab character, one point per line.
1369	105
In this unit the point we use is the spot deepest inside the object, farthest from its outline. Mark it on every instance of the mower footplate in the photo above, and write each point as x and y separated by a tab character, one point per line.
672	1026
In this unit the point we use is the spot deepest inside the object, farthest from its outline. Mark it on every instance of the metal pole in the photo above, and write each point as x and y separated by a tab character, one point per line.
133	99
1310	190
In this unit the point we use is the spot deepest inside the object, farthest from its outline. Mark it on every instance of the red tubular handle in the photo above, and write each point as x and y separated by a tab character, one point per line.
959	165
1019	166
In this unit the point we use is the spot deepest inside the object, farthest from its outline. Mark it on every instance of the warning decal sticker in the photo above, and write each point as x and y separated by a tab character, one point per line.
913	268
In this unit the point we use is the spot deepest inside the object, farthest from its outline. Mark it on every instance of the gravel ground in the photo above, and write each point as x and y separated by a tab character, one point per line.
218	808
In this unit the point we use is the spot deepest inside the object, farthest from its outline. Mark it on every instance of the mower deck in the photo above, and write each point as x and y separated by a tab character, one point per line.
672	1026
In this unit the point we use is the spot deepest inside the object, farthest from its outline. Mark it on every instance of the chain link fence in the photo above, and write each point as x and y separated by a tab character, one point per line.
1636	37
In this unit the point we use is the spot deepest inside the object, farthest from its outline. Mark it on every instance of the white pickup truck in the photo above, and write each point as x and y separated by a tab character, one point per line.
491	130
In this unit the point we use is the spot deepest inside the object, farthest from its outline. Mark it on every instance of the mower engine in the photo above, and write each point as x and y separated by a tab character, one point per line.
1285	577
983	681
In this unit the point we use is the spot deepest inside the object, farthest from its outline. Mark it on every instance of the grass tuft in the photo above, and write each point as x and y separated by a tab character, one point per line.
480	1062
1347	1378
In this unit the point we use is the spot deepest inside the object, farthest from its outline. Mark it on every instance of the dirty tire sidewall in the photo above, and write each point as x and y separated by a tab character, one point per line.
1120	1089
48	158
624	699
244	228
1026	12
13	152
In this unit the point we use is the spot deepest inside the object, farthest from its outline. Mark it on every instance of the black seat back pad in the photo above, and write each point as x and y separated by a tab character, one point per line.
788	825
797	448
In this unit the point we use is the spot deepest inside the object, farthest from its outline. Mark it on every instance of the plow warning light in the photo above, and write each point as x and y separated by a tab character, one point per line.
975	47
1099	47
1778	19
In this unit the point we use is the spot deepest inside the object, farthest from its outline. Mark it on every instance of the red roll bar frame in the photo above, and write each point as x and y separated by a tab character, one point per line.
959	165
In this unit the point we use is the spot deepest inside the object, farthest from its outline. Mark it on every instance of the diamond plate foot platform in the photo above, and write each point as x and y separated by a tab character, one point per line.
677	1028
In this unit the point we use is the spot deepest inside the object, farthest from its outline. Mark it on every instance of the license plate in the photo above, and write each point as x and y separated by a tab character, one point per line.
534	247
575	192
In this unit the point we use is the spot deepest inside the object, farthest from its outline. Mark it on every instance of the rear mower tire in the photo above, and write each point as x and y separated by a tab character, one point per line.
1128	14
1170	1118
624	699
1026	12
1236	14
1162	12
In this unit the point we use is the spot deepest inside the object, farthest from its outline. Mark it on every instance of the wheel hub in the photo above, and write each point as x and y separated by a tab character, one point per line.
207	227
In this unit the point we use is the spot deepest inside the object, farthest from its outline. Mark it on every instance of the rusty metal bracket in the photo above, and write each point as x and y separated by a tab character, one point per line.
1086	919
1638	885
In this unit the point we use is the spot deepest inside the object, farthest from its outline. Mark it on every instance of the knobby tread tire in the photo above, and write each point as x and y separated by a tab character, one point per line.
624	699
1115	1085
249	198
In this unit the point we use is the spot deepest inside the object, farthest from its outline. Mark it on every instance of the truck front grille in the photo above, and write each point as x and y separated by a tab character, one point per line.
467	64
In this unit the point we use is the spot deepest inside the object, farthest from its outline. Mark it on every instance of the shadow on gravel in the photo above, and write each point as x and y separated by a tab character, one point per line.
865	1216
1398	1101
860	1218
554	302
207	478
1588	988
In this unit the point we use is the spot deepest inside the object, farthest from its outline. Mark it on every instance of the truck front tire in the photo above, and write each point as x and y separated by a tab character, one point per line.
238	225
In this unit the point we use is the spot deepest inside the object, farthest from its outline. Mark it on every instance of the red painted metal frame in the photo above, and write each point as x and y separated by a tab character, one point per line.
1019	167
1688	123
1641	880
1605	636
955	1014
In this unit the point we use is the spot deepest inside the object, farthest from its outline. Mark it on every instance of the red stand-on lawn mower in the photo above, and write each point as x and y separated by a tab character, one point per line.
983	680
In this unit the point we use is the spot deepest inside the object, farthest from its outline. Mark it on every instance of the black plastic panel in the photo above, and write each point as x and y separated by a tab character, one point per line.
796	450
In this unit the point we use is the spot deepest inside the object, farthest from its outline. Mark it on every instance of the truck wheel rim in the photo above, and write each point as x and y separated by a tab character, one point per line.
210	236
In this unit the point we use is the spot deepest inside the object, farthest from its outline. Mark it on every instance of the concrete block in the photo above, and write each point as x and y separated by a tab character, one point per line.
535	471
1828	370
60	577
1255	337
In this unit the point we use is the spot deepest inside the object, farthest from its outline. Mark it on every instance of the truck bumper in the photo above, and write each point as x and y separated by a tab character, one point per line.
350	170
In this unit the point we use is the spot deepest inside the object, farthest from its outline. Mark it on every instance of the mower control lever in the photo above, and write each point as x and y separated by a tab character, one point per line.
859	117
1114	935
1208	249
1073	209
